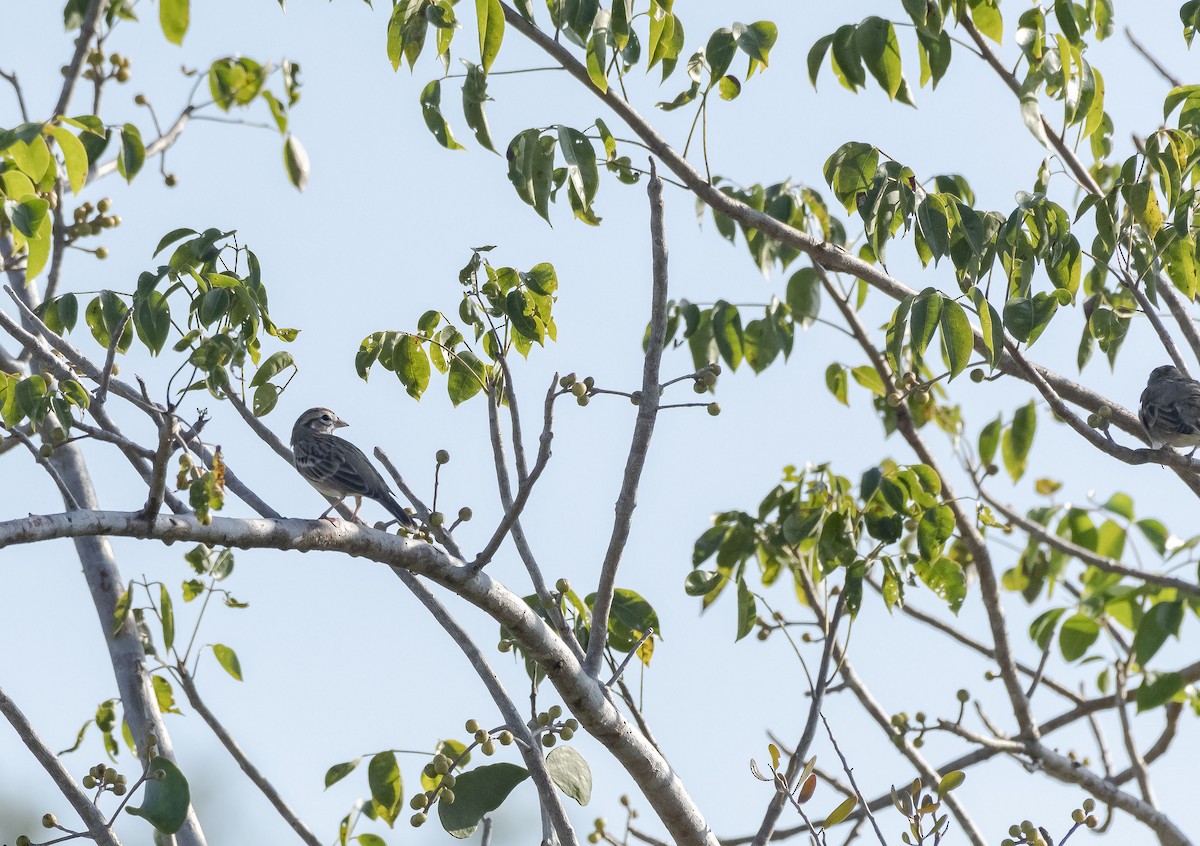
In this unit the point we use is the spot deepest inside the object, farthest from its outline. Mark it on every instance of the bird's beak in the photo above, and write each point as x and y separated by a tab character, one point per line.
340	423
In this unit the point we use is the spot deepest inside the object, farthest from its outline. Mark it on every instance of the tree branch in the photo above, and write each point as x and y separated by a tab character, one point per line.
252	772
97	825
642	431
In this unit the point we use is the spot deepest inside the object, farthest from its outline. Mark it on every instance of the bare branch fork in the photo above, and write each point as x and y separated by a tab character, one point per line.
642	431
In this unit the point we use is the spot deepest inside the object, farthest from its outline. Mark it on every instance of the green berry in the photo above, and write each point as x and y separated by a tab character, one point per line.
418	820
555	712
471	726
437	519
89	781
1078	816
102	253
104	205
579	389
548	740
447	797
592	837
45	451
963	695
488	747
699	387
567	381
589	382
448	780
894	399
506	738
709	378
481	735
441	764
977	375
170	180
714	368
49	821
566	733
119	789
23	840
714	408
442	456
418	802
584	400
572	724
1089	804
465	514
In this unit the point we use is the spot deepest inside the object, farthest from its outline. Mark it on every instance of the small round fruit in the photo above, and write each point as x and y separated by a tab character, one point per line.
555	712
447	797
437	519
636	398
714	408
963	695
894	399
442	456
709	378
110	776
488	747
58	434
104	204
471	726
123	75
108	221
1089	804
102	253
992	469
548	740
589	382
506	738
119	789
140	99
567	381
1078	816
23	840
977	375
1104	411
699	387
49	821
418	802
465	514
429	771
579	389
714	367
584	400
418	820
45	450
505	646
543	719
562	585
566	733
572	724
448	780
170	180
481	735
593	837
918	742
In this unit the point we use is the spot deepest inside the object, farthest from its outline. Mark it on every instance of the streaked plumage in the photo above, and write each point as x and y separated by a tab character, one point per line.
338	468
1170	411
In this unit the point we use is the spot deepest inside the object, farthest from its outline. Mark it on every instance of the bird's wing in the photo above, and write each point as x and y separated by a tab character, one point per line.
1181	410
355	471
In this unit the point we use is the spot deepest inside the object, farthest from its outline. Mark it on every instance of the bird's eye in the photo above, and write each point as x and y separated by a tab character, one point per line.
326	418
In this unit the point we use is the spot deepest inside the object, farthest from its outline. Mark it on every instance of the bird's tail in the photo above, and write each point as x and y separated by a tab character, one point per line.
396	510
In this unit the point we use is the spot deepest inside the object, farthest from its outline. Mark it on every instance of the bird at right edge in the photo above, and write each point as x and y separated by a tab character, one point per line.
1170	411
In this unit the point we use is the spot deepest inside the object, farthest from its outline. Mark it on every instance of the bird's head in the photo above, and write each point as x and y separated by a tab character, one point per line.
1165	372
322	421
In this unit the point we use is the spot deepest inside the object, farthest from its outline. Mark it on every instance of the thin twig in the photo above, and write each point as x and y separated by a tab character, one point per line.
513	511
1136	762
252	772
1154	63
642	431
68	497
97	826
439	532
616	676
107	373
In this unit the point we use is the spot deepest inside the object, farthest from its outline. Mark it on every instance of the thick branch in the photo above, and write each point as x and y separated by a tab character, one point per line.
87	31
581	692
643	429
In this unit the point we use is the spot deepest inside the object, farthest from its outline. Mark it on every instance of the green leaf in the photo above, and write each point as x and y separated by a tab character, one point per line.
571	773
1041	630
747	610
29	215
840	813
835	381
1158	690
880	50
477	793
295	161
934	529
490	16
465	378
923	320
816	57
152	321
957	336
339	771
173	17
431	110
387	787
804	296
132	154
988	21
275	364
945	578
74	156
475	94
411	365
851	170
1160	622
167	612
597	59
1182	268
727	332
167	799
757	39
951	781
1018	439
1077	635
228	659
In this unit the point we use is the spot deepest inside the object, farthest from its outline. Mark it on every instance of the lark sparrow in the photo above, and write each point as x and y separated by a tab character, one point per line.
338	468
1170	411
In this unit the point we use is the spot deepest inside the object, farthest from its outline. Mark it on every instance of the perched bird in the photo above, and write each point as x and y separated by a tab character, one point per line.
338	468
1170	411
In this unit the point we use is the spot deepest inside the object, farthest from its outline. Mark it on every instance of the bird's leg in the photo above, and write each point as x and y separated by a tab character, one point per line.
357	505
326	516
